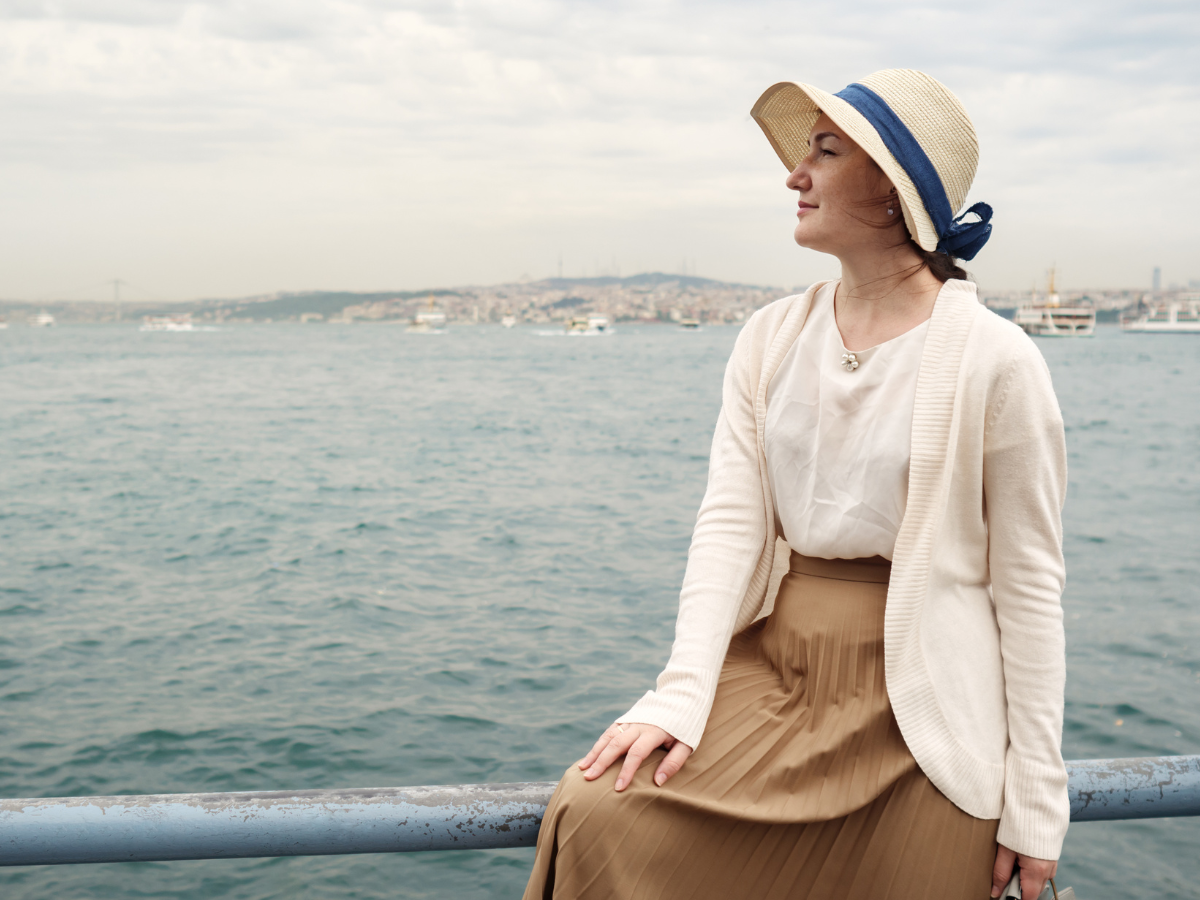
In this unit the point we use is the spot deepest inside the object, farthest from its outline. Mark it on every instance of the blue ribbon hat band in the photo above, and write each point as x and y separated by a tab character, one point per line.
955	236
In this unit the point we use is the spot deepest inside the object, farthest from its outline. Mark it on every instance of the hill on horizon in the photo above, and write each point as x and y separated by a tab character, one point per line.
645	279
330	303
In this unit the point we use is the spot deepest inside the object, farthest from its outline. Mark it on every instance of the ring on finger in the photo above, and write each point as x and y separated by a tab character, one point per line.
621	728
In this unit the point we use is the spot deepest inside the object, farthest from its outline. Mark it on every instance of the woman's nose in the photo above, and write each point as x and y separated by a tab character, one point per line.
798	179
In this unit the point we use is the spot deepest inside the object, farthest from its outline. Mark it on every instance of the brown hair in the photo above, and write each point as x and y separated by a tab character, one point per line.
941	265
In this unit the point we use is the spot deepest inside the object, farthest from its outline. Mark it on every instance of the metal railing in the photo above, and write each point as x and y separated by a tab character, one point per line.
63	830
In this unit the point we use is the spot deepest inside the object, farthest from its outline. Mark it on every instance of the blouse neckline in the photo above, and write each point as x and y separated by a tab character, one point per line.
838	330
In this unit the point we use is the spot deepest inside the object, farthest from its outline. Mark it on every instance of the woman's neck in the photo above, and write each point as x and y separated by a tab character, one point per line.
882	295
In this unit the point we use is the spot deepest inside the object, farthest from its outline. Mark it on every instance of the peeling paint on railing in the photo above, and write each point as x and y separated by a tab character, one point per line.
1151	787
388	820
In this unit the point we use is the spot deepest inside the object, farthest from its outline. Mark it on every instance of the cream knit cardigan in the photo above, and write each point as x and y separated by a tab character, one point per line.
973	635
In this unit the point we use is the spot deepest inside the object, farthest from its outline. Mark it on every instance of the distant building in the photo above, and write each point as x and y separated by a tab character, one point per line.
1157	278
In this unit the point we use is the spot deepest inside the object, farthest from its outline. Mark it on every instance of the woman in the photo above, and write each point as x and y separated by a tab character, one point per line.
891	729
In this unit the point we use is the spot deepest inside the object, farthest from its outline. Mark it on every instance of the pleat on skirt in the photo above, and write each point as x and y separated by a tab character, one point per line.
803	786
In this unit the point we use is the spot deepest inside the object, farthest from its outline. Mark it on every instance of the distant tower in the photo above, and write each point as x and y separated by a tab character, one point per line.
1158	278
116	283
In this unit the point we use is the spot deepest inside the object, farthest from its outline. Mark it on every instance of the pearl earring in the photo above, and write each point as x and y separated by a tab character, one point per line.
891	203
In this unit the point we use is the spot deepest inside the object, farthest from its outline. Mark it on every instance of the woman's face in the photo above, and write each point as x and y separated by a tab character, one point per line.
843	195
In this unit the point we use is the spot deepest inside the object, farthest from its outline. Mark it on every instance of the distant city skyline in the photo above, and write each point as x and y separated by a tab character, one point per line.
110	292
643	298
201	149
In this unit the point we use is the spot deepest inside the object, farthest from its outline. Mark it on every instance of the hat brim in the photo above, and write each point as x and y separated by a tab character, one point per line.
787	111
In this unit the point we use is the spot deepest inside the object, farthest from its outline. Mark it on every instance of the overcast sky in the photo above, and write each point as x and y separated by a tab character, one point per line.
202	149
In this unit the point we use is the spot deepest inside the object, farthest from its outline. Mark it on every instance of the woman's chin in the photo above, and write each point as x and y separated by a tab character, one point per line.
805	237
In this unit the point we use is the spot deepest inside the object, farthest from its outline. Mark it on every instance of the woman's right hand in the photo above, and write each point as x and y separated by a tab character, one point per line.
635	742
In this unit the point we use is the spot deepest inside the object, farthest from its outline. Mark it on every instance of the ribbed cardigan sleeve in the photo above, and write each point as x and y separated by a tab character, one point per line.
1025	479
727	545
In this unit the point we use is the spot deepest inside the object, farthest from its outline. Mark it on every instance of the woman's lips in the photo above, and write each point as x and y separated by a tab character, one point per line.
804	207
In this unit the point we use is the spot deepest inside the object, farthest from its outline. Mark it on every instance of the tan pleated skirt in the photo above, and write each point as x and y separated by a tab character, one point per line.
802	788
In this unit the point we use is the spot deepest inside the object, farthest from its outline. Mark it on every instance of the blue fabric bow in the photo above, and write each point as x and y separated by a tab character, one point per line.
955	237
965	239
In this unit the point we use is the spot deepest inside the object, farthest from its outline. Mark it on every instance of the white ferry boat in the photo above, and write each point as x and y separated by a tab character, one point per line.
588	325
430	320
1180	316
1051	319
178	322
43	320
509	320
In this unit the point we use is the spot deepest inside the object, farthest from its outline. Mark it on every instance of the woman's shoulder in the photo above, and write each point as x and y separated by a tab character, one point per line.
766	323
993	338
1010	345
776	311
1001	361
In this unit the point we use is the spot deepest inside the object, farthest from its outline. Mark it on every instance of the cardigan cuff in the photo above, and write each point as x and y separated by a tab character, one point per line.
684	722
1037	808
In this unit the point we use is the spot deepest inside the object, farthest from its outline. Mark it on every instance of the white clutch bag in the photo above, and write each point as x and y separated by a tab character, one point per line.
1050	892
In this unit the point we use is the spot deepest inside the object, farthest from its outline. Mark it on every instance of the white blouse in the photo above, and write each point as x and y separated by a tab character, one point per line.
838	439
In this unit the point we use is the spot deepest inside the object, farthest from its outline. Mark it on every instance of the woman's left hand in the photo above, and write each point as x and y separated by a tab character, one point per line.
1034	872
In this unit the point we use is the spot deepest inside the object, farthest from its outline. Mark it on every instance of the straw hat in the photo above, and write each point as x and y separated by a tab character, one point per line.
914	128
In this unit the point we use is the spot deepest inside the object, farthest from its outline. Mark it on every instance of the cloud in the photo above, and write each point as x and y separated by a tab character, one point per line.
229	147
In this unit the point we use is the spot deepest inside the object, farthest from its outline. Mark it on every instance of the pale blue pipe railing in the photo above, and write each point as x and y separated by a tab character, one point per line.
387	820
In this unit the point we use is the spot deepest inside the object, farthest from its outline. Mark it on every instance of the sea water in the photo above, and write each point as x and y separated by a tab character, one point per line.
284	557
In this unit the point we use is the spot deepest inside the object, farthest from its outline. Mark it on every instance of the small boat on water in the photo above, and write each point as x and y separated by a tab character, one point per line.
43	320
588	325
689	324
509	320
1180	316
178	322
1050	319
430	320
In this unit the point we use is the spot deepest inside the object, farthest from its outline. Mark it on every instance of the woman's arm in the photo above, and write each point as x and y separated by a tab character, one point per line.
727	543
1025	479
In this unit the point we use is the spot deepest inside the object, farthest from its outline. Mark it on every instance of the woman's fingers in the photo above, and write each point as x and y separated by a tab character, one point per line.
617	745
600	744
673	762
1002	870
1034	875
635	755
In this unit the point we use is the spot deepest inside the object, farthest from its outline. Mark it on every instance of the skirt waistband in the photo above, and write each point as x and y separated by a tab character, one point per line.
875	569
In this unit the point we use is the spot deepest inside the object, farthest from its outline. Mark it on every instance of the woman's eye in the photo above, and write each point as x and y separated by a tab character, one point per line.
826	152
